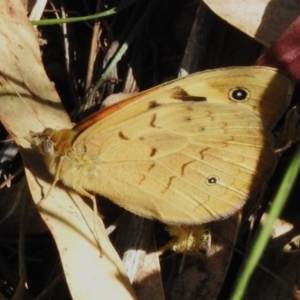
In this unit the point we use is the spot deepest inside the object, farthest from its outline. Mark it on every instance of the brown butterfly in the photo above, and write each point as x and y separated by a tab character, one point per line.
186	152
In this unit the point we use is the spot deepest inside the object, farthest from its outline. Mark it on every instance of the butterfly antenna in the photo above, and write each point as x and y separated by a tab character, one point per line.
28	106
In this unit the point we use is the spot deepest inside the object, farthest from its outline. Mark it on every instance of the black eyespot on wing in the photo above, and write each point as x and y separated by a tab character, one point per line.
212	180
239	94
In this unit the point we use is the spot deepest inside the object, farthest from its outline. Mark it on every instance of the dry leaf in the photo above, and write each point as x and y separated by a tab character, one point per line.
264	20
88	275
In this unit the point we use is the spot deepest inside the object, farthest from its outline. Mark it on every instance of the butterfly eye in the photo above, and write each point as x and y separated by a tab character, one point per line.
212	180
47	146
239	94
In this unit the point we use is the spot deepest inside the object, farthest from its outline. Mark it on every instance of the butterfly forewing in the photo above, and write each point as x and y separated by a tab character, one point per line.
269	95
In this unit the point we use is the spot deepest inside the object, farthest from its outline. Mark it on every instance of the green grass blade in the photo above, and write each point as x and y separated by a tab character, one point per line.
265	232
103	14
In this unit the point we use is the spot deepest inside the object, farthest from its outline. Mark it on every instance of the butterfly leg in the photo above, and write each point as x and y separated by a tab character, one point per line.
96	232
82	192
56	178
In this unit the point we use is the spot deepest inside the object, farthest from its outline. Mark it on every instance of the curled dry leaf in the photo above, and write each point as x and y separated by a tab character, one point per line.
264	20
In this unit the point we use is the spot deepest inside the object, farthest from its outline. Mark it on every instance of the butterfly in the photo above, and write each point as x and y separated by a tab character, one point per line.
187	152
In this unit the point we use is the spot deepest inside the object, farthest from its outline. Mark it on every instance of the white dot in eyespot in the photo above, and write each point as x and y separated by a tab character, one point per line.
239	94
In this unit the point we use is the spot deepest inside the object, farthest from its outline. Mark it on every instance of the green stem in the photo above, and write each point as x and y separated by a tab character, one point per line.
103	14
265	232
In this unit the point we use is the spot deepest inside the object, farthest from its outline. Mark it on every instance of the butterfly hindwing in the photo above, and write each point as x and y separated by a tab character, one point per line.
182	163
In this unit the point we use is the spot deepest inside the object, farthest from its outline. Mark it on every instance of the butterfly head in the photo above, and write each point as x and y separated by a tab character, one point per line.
52	142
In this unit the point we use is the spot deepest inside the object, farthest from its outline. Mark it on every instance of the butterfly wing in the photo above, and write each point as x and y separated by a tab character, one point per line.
184	163
187	152
269	93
